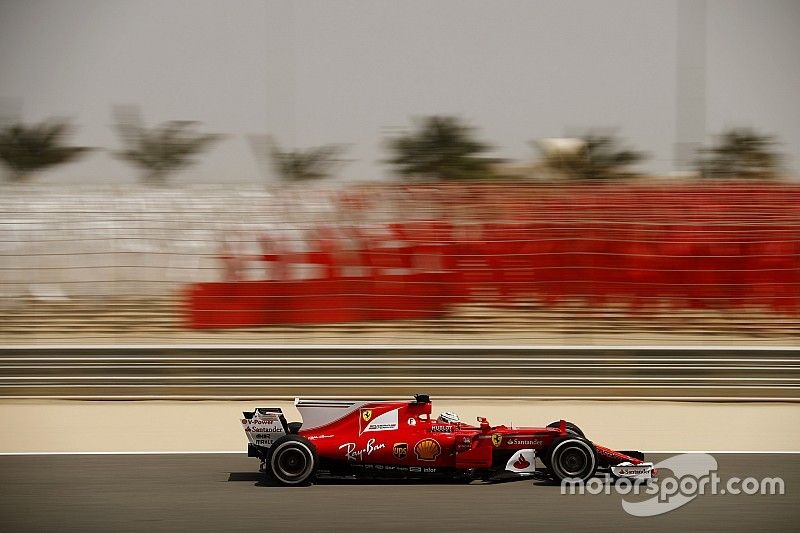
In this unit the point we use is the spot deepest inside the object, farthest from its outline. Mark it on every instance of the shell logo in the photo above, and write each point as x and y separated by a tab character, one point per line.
427	450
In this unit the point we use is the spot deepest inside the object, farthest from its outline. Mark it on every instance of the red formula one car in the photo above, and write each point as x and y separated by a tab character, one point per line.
400	439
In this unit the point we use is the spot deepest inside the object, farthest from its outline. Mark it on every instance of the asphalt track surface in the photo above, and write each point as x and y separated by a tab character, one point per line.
223	492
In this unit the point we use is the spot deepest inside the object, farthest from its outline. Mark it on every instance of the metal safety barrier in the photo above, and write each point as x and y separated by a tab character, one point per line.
284	372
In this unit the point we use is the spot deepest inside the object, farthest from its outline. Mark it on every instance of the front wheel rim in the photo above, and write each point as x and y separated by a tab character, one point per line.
573	461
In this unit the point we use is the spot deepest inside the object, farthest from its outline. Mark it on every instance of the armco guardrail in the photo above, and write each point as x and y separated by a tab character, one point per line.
244	372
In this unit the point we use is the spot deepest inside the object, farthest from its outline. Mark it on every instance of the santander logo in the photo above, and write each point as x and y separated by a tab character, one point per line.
521	463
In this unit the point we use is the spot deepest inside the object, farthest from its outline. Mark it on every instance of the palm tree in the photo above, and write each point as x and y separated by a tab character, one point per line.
741	152
591	157
24	149
298	165
440	148
161	150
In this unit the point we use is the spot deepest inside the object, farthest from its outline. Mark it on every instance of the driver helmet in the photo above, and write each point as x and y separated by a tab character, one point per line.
448	417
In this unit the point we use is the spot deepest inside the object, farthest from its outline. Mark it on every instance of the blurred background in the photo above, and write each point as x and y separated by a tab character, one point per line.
360	172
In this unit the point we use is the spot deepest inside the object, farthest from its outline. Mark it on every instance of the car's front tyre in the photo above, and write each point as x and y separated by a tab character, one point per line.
572	458
292	460
571	428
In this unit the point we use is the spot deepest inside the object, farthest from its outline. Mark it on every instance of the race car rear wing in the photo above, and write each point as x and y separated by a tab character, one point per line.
263	426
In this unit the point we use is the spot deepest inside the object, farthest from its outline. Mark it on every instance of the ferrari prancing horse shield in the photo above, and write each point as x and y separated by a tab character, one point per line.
366	414
497	439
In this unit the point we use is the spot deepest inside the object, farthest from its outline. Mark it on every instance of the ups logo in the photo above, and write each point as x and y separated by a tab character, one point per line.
497	438
400	450
366	414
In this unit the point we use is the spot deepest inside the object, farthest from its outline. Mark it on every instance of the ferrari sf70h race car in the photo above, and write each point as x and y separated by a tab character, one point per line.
400	439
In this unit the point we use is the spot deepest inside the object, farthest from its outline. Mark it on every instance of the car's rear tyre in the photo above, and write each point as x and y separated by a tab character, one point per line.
572	458
292	460
572	429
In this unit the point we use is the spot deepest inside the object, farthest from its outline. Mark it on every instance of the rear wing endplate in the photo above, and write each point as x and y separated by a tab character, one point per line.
264	425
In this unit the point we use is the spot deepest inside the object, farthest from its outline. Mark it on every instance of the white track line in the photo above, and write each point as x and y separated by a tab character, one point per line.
723	452
221	398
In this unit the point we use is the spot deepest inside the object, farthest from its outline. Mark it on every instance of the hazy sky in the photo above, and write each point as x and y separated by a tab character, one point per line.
315	72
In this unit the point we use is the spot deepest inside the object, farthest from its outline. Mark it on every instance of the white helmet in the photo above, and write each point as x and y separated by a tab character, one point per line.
449	417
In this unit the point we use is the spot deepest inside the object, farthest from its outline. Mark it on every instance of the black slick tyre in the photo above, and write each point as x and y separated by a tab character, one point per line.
292	460
572	458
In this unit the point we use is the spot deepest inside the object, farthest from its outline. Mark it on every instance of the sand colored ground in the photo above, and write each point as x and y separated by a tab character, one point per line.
148	426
